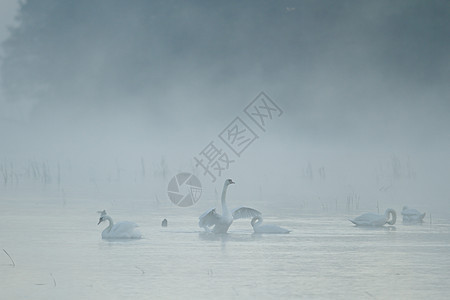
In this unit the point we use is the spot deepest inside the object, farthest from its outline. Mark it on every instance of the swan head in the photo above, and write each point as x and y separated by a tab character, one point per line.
256	220
228	182
102	219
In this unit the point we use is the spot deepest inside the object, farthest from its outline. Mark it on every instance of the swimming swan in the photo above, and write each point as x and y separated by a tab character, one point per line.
258	227
411	215
222	222
371	219
120	230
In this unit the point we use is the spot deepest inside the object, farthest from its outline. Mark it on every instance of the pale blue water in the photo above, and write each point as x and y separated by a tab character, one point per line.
59	254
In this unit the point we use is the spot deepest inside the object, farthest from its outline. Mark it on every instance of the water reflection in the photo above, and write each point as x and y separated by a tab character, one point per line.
377	228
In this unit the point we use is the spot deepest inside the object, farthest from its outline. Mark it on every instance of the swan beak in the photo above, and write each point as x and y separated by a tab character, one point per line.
99	221
232	182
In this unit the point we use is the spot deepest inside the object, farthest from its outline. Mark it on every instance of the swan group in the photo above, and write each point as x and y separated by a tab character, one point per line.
258	227
119	230
372	219
211	221
411	215
222	222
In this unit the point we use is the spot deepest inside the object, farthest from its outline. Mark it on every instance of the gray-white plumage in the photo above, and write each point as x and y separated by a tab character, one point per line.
222	222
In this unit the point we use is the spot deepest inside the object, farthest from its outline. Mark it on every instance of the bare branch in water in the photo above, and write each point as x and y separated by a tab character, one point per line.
143	272
14	264
54	280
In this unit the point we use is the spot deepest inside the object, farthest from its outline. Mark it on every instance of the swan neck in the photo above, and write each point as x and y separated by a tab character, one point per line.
111	223
224	204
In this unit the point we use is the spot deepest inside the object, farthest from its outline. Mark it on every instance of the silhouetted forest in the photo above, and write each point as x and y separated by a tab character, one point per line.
64	51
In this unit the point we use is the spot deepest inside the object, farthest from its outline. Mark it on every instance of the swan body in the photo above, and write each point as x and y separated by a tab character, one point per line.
222	222
411	215
258	227
119	230
371	219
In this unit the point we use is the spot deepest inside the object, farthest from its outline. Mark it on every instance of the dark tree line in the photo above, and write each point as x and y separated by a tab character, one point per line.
97	49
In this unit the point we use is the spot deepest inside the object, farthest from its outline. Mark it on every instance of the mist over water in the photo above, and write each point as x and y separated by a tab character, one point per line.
103	102
107	86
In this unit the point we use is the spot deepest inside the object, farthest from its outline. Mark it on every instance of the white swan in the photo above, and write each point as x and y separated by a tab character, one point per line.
411	215
222	222
258	227
120	230
371	219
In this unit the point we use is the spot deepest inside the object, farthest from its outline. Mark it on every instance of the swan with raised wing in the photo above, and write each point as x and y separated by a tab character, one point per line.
259	227
222	222
411	215
119	230
371	219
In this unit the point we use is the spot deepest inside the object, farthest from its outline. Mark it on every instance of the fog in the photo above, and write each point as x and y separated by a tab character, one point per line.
114	98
